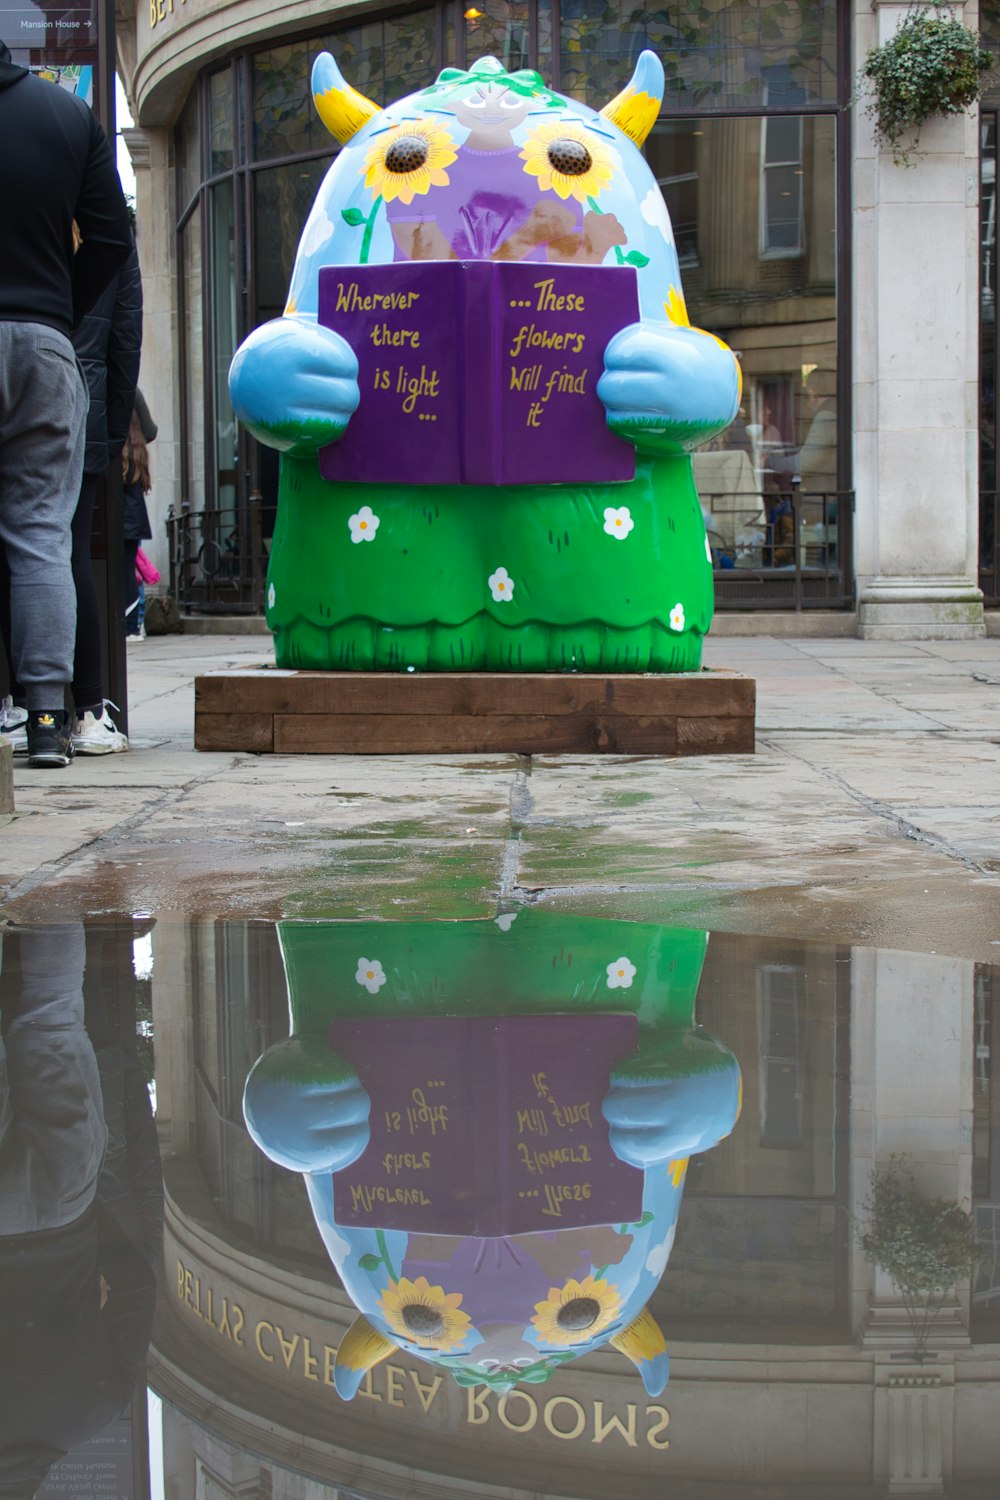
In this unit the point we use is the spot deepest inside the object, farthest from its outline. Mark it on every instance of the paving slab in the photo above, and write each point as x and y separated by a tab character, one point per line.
870	812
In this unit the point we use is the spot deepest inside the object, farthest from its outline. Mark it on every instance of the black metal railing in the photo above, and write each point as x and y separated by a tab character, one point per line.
787	550
218	560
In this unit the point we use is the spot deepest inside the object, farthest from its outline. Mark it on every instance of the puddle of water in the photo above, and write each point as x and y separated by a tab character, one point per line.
545	1205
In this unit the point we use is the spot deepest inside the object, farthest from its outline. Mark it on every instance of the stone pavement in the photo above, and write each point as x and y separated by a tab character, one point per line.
870	813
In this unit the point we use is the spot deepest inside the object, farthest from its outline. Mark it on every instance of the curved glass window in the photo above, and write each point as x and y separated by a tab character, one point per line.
717	54
381	59
750	153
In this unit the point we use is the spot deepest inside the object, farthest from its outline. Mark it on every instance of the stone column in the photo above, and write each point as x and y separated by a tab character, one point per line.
916	336
183	966
152	160
912	1052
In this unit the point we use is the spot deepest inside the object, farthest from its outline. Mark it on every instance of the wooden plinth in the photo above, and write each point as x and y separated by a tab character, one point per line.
269	711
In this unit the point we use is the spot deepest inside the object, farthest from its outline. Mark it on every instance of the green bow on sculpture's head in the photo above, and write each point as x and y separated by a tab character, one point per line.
491	73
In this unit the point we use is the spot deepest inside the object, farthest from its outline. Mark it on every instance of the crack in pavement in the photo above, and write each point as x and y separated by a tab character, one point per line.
888	814
111	836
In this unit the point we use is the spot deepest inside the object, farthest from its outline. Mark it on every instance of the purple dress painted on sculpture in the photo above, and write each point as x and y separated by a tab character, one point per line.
482	207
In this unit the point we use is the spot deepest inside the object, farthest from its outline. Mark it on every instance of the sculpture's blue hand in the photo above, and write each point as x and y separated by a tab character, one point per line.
682	1101
306	1108
667	387
294	385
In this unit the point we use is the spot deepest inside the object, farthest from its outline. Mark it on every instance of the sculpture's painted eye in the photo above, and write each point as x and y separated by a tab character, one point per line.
406	154
579	1314
570	157
422	1321
479	101
511	101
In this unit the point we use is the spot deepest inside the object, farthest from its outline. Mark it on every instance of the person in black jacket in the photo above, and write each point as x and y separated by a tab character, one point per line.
108	344
55	166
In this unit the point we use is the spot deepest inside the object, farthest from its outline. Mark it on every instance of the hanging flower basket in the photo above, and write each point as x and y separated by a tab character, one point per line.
933	65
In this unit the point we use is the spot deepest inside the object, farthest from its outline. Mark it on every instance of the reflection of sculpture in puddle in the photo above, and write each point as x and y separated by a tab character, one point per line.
80	1196
494	1122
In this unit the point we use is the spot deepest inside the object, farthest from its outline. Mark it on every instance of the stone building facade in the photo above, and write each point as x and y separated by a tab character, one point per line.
792	1364
849	285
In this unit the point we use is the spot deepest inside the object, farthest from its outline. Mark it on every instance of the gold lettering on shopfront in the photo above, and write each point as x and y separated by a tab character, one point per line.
290	1352
159	10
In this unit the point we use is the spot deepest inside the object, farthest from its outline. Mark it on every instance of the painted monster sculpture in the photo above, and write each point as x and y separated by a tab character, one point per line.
494	1122
542	562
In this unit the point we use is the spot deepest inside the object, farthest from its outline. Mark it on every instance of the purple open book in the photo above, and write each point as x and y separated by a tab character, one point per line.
478	372
486	1125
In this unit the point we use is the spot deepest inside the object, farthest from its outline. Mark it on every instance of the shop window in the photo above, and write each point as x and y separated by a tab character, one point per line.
986	1153
283	197
781	1010
220	122
717	56
989	551
497	28
382	59
193	458
222	241
751	194
385	59
188	149
284	121
781	222
679	183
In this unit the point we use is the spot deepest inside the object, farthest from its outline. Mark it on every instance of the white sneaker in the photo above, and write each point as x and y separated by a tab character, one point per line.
95	736
14	726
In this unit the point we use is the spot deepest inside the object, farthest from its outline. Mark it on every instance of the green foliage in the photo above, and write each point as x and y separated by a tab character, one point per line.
925	1245
932	66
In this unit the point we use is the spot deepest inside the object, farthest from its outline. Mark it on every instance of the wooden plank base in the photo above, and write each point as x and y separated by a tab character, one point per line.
267	710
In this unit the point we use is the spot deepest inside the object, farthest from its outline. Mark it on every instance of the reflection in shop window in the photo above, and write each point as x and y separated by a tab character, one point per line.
283	197
679	185
716	176
498	28
187	146
986	1153
222	240
781	1015
781	225
194	359
989	552
714	54
382	59
220	122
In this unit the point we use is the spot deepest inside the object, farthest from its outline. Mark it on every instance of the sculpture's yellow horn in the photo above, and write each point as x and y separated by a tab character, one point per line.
635	109
643	1343
342	109
360	1350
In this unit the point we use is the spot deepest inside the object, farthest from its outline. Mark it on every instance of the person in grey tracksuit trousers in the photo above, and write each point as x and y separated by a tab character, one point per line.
55	167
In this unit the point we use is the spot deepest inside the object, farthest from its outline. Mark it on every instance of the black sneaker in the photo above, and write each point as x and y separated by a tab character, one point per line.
50	737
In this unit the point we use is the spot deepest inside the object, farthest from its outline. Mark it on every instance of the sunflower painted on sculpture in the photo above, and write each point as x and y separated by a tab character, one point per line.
577	1311
409	160
568	160
425	1315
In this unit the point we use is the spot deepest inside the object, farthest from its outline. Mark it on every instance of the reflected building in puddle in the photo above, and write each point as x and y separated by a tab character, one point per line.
488	1358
